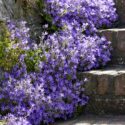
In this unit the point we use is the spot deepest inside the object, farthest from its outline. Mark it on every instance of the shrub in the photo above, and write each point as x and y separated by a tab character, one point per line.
8	55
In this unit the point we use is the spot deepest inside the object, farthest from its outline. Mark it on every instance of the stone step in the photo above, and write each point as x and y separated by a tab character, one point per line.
117	38
94	120
106	89
120	5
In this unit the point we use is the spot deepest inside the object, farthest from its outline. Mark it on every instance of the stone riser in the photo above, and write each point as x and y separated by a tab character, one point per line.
120	5
106	105
109	81
106	89
117	38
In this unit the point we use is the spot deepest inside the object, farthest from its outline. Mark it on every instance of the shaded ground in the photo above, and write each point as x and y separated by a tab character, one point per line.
2	122
95	120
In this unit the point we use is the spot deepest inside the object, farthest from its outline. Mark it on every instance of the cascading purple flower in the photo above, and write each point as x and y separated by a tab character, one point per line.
53	90
93	12
19	32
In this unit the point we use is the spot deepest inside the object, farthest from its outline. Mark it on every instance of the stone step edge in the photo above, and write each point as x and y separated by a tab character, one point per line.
110	70
108	81
112	29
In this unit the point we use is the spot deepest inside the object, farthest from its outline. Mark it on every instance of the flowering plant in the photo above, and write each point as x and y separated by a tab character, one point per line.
42	85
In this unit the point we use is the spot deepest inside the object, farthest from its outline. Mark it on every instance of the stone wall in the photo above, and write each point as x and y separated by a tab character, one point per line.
10	9
21	9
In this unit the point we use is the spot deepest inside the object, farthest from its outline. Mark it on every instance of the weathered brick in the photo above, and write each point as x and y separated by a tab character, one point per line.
103	83
120	85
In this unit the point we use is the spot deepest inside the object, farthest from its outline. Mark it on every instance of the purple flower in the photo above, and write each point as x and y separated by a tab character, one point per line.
52	90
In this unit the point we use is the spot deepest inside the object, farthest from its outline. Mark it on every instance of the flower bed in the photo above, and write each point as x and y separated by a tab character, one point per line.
39	81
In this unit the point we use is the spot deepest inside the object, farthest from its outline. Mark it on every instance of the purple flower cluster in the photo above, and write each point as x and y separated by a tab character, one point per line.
79	20
93	13
86	52
19	34
12	120
52	90
39	97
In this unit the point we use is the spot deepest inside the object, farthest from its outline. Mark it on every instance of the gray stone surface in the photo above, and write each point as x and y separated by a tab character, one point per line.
120	5
117	38
106	90
10	9
17	9
95	120
109	80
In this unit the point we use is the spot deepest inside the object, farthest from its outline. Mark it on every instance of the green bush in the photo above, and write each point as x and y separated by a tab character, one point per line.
8	55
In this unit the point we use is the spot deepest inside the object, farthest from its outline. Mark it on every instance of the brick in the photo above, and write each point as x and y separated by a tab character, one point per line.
103	83
120	85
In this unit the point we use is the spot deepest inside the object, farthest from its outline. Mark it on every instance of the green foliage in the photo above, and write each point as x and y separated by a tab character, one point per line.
33	58
8	55
79	111
46	18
